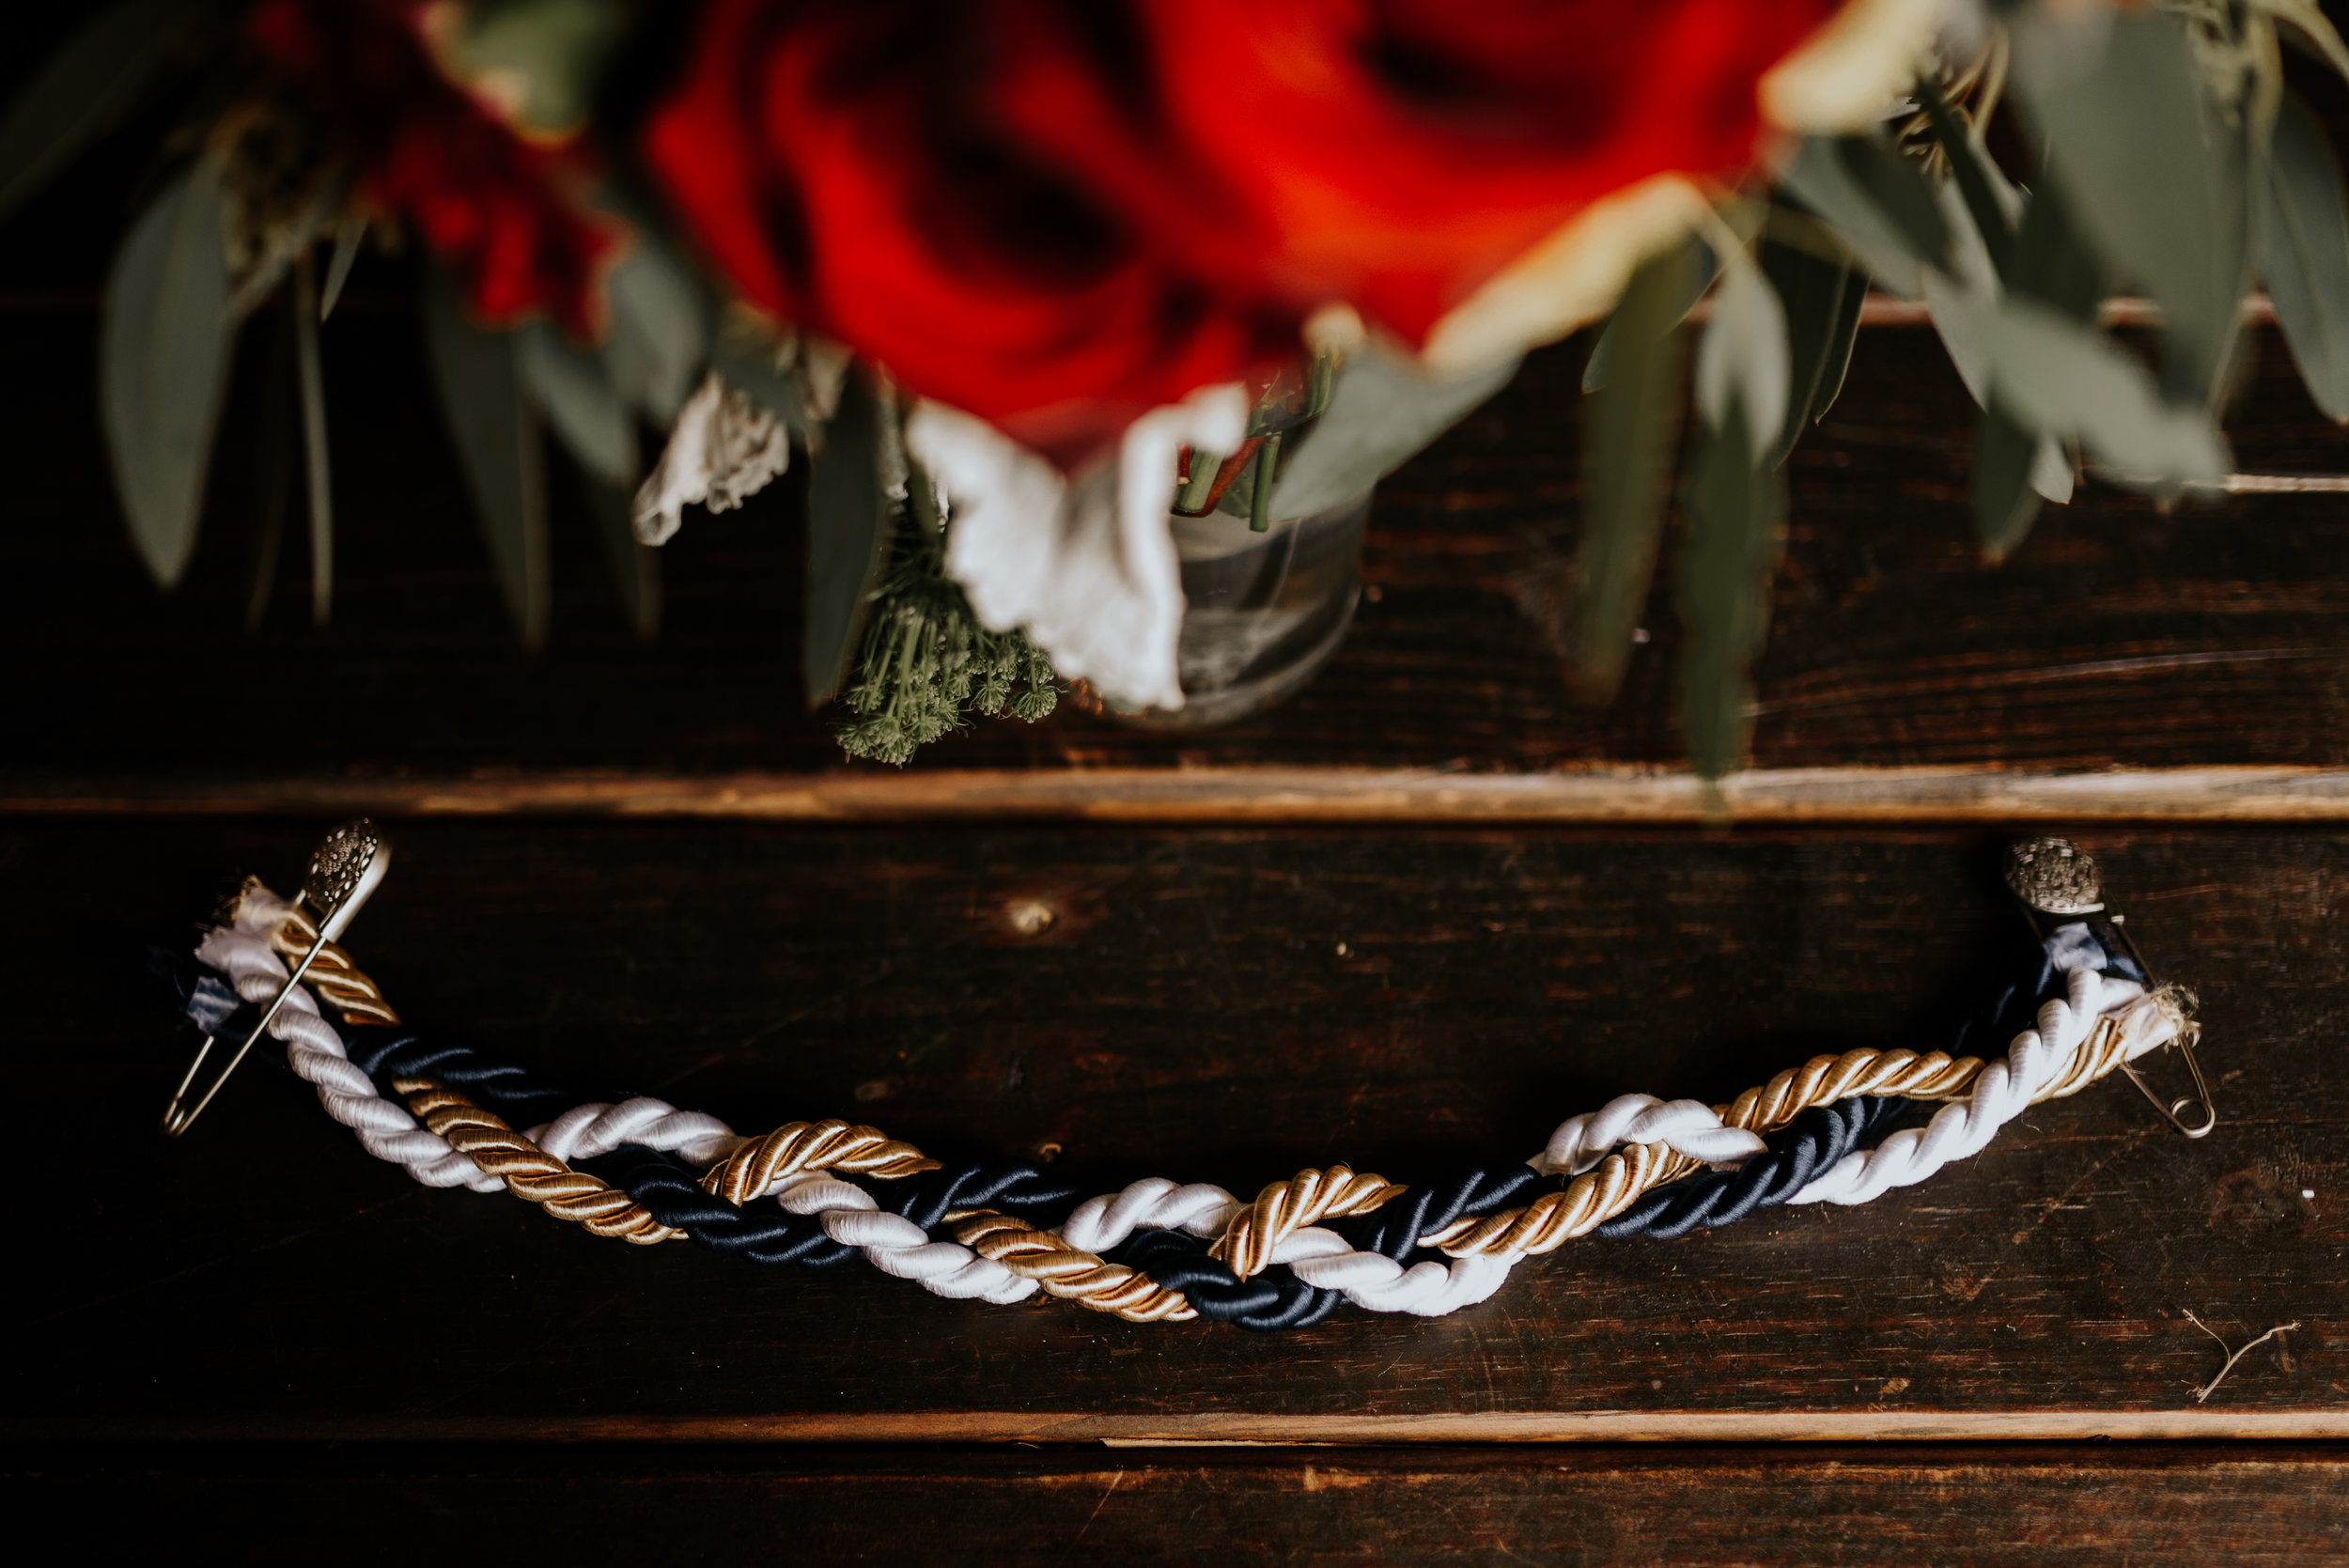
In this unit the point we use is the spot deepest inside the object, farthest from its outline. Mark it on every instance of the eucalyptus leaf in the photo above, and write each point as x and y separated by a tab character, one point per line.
2051	470
1817	176
1628	431
2002	520
2066	381
660	335
635	567
2051	262
1382	411
1734	516
848	521
1744	359
1813	291
2005	504
1692	270
574	390
347	241
316	465
1972	174
479	378
164	346
2307	255
1835	364
2156	176
1900	192
81	91
273	482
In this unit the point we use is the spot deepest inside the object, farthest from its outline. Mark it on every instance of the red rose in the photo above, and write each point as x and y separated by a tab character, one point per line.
1397	153
509	218
967	193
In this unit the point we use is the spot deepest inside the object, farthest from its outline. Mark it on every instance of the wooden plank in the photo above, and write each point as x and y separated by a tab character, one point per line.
1208	1004
1769	796
2036	1507
2215	635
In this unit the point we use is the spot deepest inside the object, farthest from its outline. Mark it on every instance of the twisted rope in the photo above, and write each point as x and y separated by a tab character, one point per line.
529	1172
763	1164
1157	1252
1247	1242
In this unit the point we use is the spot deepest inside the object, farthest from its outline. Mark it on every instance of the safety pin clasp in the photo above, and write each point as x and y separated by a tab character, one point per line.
345	871
2057	882
2180	1111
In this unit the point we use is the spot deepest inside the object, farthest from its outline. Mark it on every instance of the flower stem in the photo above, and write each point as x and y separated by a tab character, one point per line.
1260	504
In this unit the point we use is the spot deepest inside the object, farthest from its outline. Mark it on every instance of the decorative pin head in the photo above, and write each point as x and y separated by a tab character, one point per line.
2055	876
346	869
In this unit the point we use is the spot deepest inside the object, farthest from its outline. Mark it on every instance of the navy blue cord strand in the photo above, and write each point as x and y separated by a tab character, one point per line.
514	1092
1794	1155
670	1190
1276	1298
1815	1140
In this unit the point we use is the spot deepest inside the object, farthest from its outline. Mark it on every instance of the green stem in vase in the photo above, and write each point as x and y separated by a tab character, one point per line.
1198	492
1260	504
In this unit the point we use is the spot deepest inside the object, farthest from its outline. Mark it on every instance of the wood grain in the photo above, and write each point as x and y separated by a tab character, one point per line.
1768	796
1209	1004
2081	1506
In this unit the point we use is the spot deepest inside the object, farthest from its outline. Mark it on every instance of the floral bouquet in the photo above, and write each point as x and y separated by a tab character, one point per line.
1030	283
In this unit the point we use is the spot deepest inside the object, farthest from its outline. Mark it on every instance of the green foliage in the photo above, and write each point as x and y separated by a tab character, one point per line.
926	659
2307	255
164	344
2155	172
1382	410
1628	434
1820	297
850	519
482	390
1736	508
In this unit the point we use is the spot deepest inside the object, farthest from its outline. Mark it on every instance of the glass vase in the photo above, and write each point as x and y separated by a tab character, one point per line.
1263	610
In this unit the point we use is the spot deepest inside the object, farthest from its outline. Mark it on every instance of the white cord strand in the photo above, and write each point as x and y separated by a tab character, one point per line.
1688	1128
586	1131
895	1245
317	1056
2005	1089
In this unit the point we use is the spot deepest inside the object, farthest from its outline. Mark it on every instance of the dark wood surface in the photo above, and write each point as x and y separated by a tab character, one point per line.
1271	964
2077	1506
1207	1005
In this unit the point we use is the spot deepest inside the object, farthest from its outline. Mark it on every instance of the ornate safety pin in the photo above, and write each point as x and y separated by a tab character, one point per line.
2057	881
346	869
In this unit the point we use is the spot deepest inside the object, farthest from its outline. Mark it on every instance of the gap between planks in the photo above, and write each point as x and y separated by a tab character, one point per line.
1223	1430
1207	796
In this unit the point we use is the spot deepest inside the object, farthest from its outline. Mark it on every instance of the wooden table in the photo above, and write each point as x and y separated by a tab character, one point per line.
1432	904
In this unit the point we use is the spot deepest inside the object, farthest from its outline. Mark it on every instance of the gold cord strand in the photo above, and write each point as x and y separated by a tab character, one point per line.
332	975
529	1172
760	1164
1067	1272
1308	1197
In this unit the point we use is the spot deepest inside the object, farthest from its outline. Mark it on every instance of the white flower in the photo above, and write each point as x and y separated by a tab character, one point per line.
1087	565
724	449
1846	76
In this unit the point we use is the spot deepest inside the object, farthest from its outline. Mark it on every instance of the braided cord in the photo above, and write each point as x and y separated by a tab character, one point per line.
529	1172
1170	1254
